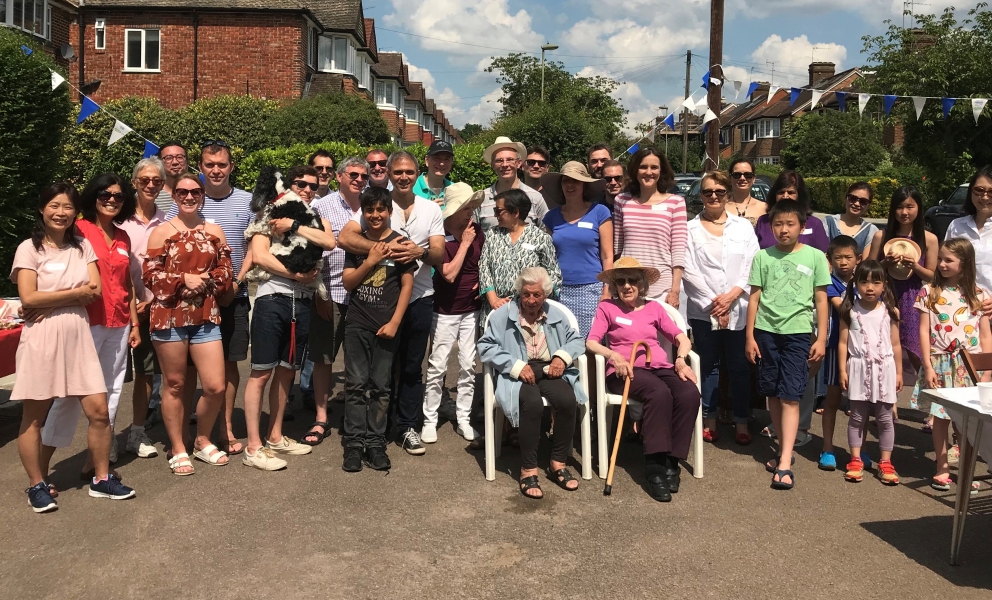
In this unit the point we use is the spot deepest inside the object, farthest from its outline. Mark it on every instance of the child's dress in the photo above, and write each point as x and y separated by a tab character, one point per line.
952	326
871	373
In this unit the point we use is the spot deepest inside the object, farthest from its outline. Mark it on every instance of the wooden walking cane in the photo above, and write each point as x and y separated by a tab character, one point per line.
623	410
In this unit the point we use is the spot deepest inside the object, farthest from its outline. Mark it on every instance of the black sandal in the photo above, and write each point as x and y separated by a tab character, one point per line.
319	435
561	477
530	483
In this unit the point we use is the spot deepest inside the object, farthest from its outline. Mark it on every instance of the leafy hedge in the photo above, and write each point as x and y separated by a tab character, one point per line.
829	193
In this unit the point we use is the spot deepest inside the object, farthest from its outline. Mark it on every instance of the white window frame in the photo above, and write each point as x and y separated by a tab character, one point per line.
100	34
311	46
7	17
411	109
749	132
143	48
381	101
769	128
365	73
768	160
327	59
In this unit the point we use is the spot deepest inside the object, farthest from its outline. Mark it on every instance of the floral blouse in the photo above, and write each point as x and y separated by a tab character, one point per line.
186	252
502	260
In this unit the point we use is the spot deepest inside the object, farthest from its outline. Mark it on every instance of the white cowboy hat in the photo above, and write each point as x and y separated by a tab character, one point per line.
503	143
459	195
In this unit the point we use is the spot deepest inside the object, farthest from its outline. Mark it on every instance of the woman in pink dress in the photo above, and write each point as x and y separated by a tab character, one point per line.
57	276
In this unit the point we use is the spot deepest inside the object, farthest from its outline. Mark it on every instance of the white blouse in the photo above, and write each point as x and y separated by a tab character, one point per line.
707	276
964	227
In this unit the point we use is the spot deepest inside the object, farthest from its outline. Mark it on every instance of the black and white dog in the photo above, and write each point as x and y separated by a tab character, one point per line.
271	200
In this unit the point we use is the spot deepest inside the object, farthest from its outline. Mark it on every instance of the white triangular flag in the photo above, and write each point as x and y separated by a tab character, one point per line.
737	89
715	81
651	133
120	130
57	80
817	94
710	115
918	103
771	93
689	103
977	106
863	102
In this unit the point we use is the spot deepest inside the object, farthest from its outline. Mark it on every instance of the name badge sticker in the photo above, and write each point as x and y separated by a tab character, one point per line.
527	246
122	251
585	225
661	207
449	238
55	267
808	231
623	321
387	262
211	221
804	270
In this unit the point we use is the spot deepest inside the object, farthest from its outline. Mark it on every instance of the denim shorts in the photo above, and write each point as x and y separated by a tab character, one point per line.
196	334
783	369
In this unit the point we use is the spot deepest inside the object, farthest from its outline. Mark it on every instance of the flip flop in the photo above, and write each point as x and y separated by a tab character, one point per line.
313	433
781	485
230	447
772	465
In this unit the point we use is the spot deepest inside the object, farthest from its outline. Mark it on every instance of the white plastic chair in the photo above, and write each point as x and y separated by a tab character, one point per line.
494	414
606	401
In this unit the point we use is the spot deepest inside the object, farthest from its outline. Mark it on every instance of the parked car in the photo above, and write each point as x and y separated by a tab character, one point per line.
694	205
938	218
683	182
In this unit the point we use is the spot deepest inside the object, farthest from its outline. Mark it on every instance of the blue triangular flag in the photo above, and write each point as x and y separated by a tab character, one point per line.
634	148
841	101
947	103
88	108
888	101
150	150
706	80
670	121
794	95
27	51
751	88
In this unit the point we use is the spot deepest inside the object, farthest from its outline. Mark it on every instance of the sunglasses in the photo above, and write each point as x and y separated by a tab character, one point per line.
354	175
303	185
220	143
194	193
324	169
858	200
143	181
980	192
378	163
497	211
106	196
744	175
711	193
622	281
532	162
613	178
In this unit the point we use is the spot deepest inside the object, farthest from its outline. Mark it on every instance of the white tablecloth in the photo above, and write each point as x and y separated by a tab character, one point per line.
954	401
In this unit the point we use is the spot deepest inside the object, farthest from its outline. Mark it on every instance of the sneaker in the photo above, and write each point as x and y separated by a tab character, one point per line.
855	470
376	458
111	487
40	499
139	443
411	443
468	432
428	434
154	417
288	445
113	449
953	455
828	462
264	459
352	460
887	473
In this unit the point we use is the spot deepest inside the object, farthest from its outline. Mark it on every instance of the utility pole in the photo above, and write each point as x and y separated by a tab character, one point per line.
715	94
685	112
544	48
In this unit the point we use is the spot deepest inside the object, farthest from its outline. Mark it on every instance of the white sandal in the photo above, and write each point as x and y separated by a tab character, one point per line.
178	462
206	455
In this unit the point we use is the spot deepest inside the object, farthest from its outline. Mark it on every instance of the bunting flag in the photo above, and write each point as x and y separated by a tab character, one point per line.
689	103
947	104
817	94
651	133
119	131
841	101
794	95
771	92
634	148
863	102
88	108
737	89
57	80
977	106
706	80
918	103
889	101
150	150
751	89
27	51
670	121
710	115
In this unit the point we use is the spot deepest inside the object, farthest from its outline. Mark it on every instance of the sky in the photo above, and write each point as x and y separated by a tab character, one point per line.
641	43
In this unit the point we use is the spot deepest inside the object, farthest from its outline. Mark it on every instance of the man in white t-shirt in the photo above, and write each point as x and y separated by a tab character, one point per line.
420	222
505	158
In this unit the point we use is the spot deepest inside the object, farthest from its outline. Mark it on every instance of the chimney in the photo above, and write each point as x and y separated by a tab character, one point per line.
761	90
918	40
819	71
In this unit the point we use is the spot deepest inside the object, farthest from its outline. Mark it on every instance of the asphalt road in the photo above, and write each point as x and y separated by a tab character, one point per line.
434	528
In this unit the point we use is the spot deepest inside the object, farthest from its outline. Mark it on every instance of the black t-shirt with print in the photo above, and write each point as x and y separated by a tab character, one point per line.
372	304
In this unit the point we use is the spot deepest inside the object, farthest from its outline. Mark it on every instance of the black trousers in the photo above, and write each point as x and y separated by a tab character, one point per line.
561	397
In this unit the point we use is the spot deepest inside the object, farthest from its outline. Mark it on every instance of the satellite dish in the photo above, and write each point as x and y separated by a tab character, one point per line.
67	52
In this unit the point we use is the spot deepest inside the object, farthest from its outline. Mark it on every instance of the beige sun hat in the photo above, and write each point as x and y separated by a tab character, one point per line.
907	248
592	191
503	143
626	264
459	195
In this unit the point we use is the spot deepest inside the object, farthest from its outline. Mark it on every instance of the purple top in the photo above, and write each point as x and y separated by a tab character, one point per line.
813	235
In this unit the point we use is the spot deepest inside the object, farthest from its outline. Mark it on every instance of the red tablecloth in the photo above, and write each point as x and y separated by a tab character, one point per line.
8	350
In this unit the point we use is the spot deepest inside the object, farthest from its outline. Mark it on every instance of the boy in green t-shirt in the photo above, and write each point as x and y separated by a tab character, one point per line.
785	280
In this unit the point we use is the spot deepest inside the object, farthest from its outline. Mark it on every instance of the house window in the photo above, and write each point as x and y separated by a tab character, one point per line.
100	31
364	73
312	44
337	54
769	128
142	49
748	132
411	113
385	93
32	16
768	160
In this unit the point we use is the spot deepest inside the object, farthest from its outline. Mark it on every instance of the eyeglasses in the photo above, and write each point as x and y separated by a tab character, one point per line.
613	178
174	158
106	196
356	175
980	192
858	200
533	162
220	143
504	161
194	193
711	193
497	211
742	175
143	181
324	169
303	184
378	163
622	281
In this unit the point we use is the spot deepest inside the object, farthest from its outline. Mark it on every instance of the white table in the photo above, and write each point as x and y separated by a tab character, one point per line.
962	406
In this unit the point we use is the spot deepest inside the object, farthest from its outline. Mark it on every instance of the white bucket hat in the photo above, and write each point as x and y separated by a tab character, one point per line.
459	195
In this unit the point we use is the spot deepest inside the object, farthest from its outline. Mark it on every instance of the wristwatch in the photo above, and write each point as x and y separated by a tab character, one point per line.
426	253
294	227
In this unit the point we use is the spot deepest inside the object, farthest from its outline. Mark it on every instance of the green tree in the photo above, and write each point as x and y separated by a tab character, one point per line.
942	58
328	117
32	126
470	131
833	143
565	133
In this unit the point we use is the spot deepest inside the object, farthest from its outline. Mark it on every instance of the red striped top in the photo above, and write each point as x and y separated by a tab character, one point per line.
654	234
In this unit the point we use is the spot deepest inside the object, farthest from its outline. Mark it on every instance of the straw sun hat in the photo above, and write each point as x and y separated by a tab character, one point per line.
627	264
907	248
551	184
459	195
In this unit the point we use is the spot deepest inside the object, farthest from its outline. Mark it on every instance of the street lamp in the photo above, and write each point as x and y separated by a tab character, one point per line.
545	47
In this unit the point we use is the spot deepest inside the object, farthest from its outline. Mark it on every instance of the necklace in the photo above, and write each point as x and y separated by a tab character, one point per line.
714	221
737	207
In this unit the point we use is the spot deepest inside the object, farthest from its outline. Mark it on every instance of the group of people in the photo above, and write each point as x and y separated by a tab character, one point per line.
151	279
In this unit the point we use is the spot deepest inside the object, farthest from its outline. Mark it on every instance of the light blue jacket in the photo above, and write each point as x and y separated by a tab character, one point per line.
502	347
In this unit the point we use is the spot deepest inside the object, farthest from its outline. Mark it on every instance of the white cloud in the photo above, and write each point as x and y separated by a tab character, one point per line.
792	57
628	38
873	10
480	22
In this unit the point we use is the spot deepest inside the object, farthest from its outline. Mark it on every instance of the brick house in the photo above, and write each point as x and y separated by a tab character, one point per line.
428	121
47	21
413	108
391	87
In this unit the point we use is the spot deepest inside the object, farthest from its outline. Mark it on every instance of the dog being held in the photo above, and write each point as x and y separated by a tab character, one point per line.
271	200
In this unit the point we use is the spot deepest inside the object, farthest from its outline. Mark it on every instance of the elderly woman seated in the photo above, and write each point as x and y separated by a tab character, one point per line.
668	391
530	345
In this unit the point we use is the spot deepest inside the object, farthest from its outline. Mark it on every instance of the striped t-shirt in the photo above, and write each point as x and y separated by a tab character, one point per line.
233	214
654	234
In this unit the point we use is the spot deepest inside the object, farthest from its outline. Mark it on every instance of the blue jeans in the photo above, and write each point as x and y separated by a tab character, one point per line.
414	335
722	347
